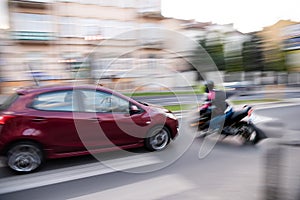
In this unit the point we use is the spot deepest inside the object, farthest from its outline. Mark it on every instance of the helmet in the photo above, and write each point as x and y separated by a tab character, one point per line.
210	85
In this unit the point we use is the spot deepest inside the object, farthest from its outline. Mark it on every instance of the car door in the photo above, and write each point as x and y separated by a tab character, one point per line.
116	126
52	115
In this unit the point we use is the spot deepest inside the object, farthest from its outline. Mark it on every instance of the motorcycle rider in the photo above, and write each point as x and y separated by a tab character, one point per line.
217	117
210	95
215	105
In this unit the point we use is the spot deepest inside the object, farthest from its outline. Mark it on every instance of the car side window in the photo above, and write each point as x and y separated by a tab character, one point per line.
102	102
54	101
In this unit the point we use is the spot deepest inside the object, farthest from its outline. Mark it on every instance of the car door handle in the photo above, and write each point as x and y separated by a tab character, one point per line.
94	119
39	119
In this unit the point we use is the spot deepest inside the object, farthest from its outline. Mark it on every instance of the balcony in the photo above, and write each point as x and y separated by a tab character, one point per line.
41	4
152	43
150	13
30	36
292	44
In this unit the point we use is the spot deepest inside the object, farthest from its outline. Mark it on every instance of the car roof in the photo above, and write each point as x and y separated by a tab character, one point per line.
49	88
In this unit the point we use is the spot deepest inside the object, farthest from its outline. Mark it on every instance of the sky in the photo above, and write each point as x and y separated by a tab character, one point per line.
246	15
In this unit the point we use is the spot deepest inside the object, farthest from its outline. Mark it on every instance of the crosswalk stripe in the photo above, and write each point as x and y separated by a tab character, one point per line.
13	184
151	189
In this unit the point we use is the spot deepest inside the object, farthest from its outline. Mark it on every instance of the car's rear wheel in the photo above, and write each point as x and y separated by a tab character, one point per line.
158	139
24	157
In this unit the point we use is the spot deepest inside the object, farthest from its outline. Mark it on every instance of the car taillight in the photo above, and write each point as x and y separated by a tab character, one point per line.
4	118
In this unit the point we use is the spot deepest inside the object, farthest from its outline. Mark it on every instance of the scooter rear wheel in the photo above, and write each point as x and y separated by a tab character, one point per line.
248	132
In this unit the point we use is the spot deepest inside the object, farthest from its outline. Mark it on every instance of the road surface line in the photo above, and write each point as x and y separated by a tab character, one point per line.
151	189
18	183
275	105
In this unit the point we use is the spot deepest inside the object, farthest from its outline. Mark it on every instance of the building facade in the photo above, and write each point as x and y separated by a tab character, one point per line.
291	45
273	42
76	39
120	44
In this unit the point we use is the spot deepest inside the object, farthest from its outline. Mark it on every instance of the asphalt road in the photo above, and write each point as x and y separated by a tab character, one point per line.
229	171
287	116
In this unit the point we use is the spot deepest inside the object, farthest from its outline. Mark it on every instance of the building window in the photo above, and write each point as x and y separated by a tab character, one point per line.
110	67
76	64
82	27
90	27
70	27
35	66
119	29
32	22
150	33
79	27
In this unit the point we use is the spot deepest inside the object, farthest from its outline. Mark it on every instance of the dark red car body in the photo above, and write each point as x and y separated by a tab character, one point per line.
64	134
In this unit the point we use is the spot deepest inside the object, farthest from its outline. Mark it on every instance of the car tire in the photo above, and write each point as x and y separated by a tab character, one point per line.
158	138
24	157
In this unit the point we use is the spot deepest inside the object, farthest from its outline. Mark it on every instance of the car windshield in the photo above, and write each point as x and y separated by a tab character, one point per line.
9	101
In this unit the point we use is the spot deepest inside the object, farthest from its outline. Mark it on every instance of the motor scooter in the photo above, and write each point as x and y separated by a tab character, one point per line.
231	123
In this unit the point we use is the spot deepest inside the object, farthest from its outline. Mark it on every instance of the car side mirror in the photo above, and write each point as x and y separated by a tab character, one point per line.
134	110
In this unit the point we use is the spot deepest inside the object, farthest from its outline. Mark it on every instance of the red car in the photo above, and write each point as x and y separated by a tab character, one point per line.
41	123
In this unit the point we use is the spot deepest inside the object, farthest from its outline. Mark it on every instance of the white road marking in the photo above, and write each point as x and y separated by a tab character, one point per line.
151	189
18	183
275	105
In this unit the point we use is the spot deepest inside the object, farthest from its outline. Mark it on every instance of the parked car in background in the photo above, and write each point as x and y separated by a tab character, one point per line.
41	123
239	88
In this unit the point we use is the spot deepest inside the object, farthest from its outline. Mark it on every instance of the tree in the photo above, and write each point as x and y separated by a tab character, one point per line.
215	49
234	63
276	60
252	55
208	55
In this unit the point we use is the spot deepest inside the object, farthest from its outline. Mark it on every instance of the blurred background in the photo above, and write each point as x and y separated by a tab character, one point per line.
156	45
120	44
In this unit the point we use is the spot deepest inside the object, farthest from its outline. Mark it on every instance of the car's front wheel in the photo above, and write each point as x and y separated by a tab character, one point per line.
24	157
158	139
